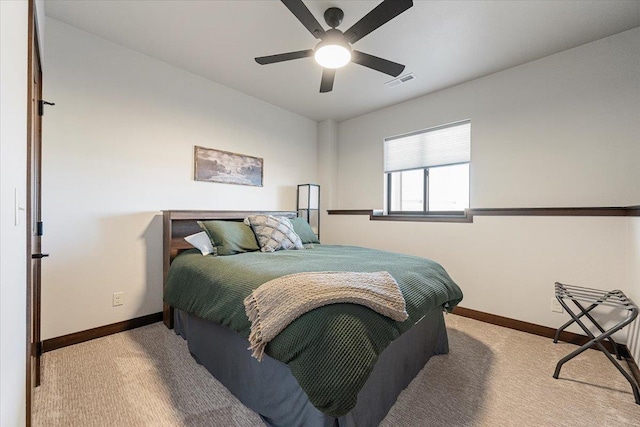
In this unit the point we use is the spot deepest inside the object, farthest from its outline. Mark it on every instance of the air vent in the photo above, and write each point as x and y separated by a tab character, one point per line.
400	80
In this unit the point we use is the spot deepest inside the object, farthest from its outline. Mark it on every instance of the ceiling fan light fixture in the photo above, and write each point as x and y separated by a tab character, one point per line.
334	49
332	55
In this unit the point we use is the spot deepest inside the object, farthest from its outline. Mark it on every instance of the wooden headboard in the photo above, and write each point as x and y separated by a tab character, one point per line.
178	224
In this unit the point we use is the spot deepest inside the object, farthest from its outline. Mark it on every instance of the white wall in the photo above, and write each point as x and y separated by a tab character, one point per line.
13	173
41	20
560	131
118	149
328	162
327	168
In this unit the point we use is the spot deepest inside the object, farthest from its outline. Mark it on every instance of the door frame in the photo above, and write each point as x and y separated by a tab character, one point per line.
34	95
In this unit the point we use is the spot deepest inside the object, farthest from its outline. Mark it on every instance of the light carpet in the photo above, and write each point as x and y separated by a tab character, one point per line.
492	376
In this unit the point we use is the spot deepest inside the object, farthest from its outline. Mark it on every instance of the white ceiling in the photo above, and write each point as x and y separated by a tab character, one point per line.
443	43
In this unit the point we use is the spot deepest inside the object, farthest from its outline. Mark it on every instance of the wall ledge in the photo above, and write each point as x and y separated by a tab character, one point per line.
467	216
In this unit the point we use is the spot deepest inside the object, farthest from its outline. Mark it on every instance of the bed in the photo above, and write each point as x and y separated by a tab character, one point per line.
337	365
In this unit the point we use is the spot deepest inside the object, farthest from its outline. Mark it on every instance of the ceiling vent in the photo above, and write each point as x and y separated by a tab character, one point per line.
400	80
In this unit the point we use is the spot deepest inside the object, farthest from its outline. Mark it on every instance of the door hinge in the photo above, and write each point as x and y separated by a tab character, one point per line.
39	256
41	105
39	228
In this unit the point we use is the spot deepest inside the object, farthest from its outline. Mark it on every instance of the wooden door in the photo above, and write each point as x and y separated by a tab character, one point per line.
34	211
35	223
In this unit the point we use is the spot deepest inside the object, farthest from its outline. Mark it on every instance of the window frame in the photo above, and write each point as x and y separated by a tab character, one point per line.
425	212
425	193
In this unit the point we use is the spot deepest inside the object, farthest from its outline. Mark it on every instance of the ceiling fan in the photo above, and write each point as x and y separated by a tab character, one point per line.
334	49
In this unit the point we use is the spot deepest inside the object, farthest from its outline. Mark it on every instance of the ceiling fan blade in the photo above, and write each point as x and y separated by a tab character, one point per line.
380	15
326	85
305	17
383	65
264	60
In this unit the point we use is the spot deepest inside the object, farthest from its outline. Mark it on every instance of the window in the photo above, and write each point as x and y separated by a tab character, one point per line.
428	170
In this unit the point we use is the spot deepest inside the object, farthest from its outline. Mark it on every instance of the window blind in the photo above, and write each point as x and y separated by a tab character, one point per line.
443	145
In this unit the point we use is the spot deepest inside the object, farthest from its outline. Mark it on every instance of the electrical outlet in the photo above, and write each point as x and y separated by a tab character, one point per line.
555	306
118	298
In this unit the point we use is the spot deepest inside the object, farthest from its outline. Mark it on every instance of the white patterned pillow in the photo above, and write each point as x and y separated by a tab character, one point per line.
273	233
202	241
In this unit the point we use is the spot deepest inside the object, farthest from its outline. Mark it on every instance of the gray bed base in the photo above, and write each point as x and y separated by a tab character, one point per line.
269	388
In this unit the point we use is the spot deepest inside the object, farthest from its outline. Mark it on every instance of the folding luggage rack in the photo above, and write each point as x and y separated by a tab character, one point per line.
596	297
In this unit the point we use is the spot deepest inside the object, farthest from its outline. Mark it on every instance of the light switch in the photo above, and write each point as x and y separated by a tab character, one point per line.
19	210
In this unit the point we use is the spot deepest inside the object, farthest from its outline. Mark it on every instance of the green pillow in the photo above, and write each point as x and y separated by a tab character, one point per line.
230	237
303	229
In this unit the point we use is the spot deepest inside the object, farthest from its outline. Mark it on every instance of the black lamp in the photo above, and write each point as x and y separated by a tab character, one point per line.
309	205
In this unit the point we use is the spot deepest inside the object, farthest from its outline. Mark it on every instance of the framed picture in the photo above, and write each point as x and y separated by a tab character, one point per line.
226	167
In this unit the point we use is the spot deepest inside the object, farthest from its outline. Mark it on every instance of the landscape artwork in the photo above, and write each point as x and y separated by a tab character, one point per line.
226	167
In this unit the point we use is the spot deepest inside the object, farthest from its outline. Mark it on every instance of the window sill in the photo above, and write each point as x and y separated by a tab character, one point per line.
464	217
378	215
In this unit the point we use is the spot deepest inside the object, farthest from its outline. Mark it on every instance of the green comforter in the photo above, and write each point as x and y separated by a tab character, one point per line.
330	350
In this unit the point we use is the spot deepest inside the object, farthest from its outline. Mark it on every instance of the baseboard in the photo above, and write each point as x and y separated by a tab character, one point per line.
102	331
532	328
633	366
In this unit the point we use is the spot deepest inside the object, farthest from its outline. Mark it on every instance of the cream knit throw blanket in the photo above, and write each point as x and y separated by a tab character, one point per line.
275	304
